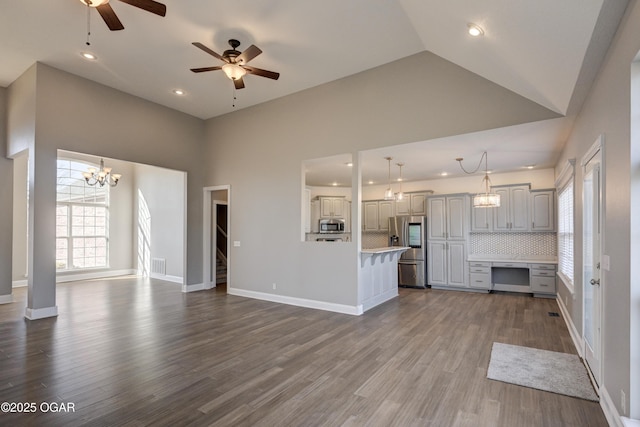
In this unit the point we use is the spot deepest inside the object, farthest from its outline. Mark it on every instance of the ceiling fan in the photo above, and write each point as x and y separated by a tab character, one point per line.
111	19
235	63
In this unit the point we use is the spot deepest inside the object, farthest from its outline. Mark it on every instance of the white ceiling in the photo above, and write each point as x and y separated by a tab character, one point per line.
538	49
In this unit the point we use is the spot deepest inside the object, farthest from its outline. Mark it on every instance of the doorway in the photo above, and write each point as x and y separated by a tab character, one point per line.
592	208
216	227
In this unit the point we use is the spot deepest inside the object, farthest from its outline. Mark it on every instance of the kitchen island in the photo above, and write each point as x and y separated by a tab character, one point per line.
378	278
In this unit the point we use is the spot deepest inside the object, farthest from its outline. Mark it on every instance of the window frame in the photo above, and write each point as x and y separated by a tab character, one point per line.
564	183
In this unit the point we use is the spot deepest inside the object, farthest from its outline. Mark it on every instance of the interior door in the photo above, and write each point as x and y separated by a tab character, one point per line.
592	294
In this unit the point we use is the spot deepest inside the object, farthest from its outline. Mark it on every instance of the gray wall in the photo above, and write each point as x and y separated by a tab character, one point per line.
259	152
607	112
20	216
44	105
164	193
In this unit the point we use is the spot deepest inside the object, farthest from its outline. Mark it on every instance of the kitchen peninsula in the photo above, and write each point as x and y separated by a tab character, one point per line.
378	275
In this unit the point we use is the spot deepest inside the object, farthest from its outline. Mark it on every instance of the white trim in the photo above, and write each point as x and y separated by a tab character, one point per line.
19	283
94	275
379	299
6	299
355	310
207	249
628	422
193	288
609	409
175	279
40	313
573	332
593	150
566	174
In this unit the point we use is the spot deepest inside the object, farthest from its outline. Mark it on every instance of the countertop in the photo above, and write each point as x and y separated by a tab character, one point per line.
383	250
530	259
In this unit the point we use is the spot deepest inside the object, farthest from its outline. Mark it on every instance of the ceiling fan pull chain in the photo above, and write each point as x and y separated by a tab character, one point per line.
234	97
88	24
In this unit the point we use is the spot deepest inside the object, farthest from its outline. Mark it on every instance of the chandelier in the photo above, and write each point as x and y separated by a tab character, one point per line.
101	176
484	199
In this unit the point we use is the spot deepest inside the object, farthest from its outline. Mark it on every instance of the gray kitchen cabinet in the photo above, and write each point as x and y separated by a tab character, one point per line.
513	212
543	210
480	275
446	264
331	207
376	214
448	217
542	279
481	219
447	229
412	204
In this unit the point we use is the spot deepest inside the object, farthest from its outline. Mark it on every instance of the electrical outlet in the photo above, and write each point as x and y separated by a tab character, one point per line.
623	402
274	286
236	243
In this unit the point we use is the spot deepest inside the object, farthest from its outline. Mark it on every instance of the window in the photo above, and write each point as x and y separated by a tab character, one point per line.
565	225
82	219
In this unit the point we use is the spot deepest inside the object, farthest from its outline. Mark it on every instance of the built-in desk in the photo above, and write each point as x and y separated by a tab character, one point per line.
536	275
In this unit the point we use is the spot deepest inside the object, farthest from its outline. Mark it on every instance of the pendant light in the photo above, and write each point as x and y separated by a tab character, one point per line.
388	194
399	194
484	199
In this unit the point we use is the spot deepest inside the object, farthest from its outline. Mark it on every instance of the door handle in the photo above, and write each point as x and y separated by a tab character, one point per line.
594	282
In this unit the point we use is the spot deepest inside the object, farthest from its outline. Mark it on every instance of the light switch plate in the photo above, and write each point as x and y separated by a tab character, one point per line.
236	243
606	262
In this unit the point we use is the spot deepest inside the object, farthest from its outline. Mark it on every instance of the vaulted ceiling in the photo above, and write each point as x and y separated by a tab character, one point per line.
546	50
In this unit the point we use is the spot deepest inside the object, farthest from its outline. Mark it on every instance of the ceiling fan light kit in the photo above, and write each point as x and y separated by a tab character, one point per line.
234	66
111	19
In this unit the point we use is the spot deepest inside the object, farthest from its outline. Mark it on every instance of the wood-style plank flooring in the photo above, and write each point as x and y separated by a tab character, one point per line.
135	352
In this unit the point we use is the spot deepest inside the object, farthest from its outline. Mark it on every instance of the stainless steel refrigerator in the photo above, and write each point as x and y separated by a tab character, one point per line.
410	231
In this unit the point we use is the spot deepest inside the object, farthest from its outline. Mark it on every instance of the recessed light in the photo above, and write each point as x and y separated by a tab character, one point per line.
530	166
444	174
335	184
88	55
179	92
370	182
475	30
350	164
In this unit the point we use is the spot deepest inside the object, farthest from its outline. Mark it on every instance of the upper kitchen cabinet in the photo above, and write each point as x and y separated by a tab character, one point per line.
481	219
513	212
332	207
376	214
412	204
448	217
543	210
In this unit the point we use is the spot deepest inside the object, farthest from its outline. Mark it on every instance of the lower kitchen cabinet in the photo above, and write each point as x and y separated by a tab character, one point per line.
446	265
480	275
542	279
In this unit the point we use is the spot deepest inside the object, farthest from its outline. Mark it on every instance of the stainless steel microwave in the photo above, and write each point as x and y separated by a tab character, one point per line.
332	225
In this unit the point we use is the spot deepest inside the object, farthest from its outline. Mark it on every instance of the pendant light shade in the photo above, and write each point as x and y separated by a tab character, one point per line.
400	194
484	199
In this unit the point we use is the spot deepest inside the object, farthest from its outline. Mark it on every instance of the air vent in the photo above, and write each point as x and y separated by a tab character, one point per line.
554	314
159	266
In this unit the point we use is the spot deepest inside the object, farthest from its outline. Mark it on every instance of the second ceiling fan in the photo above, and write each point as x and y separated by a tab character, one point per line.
235	63
111	19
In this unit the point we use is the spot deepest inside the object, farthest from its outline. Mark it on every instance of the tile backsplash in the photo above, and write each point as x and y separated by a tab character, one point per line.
513	244
373	239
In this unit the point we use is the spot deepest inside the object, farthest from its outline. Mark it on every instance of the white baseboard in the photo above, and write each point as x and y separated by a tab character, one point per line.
609	409
19	283
373	302
628	422
299	302
168	278
193	288
578	342
94	275
40	313
6	299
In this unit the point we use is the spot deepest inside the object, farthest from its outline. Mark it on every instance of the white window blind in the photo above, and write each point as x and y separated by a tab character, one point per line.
565	232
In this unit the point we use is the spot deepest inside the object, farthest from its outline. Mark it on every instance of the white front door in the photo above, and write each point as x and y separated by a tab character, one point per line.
591	277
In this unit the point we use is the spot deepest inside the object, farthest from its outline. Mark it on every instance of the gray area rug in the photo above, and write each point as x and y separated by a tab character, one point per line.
540	369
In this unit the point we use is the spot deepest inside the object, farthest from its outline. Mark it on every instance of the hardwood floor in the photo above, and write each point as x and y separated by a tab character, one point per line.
134	352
